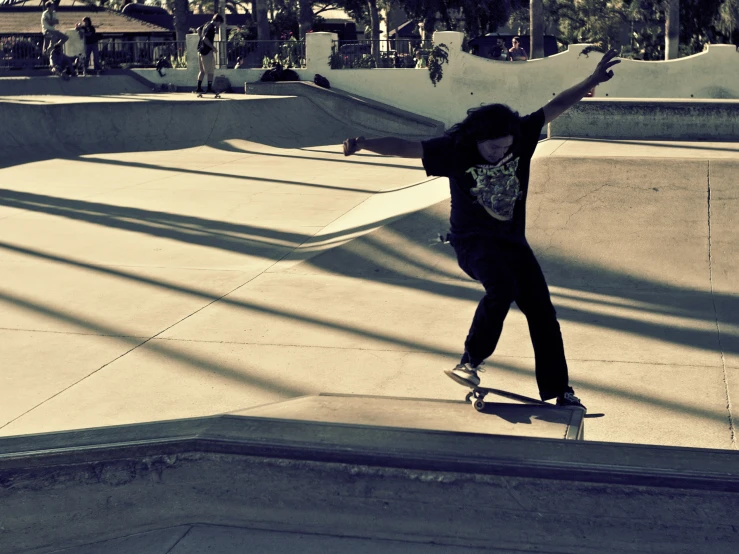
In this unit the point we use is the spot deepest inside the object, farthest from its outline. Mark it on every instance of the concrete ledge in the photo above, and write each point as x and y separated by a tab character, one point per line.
354	110
73	488
649	119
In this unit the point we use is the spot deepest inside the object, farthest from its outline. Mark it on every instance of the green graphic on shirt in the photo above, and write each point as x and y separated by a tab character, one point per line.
497	188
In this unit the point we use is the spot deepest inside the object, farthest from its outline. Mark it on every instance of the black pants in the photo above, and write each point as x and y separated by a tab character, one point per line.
510	273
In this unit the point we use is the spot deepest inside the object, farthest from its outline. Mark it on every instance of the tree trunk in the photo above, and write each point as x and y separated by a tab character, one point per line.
672	29
429	22
306	17
260	15
536	29
180	11
375	22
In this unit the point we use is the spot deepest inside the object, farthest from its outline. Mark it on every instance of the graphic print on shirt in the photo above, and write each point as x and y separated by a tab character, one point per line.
497	188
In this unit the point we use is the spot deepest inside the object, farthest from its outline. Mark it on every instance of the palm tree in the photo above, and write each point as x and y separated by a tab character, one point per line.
180	9
536	29
260	16
374	14
672	29
305	16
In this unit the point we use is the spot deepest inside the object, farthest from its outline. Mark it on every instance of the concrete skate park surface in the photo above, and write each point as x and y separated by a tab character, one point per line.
167	257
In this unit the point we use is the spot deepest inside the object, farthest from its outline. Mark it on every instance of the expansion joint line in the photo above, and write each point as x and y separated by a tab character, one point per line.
729	407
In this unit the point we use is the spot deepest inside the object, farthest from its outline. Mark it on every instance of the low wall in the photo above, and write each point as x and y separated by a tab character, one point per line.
650	119
424	487
469	81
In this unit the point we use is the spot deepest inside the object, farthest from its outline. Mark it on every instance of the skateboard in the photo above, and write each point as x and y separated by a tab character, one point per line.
215	94
479	393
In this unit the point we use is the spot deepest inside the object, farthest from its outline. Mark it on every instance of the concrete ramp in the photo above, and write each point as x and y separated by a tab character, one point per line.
80	86
232	478
71	125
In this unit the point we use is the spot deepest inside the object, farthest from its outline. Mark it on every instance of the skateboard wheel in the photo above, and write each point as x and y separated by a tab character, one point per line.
467	398
479	405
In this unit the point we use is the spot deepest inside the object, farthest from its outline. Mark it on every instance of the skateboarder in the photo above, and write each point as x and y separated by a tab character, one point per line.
61	64
206	56
487	159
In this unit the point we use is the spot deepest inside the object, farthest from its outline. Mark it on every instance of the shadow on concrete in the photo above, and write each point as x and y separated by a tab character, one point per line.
223	145
199	172
239	238
383	255
398	279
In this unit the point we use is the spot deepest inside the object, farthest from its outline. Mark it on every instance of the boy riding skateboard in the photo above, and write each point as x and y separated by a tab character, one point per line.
206	54
487	158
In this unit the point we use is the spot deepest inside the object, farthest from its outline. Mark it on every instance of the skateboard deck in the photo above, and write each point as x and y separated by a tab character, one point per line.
479	393
215	94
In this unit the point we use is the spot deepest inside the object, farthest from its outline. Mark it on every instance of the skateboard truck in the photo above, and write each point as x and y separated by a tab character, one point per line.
479	393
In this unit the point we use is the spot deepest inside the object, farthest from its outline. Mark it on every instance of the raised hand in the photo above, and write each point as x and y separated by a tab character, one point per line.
603	71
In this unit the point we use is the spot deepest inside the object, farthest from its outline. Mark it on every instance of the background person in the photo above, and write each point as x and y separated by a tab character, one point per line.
49	21
499	51
206	53
517	53
90	38
61	64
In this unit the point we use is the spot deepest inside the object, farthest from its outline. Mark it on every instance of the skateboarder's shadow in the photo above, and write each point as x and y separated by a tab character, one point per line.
527	413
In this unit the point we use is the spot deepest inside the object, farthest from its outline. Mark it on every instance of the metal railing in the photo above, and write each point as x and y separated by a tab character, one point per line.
253	54
18	51
115	53
25	52
388	53
22	52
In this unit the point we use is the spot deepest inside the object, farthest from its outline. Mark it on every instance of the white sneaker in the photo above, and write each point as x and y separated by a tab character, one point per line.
568	398
466	374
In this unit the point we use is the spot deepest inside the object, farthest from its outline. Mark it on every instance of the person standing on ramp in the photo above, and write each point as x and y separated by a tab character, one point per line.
206	52
487	158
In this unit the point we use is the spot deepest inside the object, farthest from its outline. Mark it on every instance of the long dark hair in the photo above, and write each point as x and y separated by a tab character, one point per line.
486	122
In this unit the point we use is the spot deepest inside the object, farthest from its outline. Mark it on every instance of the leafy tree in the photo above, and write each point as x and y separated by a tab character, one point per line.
637	27
479	16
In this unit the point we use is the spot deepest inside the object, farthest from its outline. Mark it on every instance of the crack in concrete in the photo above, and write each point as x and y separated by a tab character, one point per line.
187	532
729	406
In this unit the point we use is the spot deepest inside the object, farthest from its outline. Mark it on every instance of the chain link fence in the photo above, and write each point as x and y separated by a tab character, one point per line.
22	52
26	52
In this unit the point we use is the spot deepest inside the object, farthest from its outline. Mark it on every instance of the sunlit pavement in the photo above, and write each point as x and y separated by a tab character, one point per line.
146	286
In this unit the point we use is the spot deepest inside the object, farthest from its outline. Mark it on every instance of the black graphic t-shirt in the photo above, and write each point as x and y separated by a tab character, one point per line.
486	198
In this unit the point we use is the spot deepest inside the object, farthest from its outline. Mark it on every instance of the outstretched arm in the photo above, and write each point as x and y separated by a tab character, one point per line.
566	99
387	146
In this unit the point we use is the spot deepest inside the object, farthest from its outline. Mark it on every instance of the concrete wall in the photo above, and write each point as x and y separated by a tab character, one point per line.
645	119
483	492
469	81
